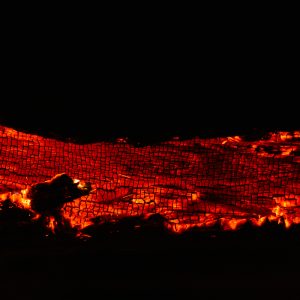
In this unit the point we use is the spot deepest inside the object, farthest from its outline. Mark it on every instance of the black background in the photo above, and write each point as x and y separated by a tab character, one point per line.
150	84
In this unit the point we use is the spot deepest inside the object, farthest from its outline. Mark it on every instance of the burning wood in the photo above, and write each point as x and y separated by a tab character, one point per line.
226	182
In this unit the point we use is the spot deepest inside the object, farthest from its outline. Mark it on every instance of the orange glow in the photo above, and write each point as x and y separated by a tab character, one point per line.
224	182
20	199
52	224
232	224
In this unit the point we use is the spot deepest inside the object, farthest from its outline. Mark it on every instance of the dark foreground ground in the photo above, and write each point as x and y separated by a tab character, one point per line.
247	264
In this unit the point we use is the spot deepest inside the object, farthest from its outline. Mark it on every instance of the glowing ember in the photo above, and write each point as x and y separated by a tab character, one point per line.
192	183
19	199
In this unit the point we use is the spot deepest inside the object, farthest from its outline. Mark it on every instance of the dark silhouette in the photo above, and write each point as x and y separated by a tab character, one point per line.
48	198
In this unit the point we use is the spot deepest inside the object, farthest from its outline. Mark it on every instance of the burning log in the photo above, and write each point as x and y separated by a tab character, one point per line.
191	183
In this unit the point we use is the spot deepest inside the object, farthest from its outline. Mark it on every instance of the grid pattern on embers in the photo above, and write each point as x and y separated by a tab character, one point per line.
194	182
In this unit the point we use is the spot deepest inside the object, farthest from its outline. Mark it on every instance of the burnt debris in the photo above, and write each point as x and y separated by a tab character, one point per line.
49	197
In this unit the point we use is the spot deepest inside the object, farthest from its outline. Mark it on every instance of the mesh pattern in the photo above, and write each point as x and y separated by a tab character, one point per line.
195	182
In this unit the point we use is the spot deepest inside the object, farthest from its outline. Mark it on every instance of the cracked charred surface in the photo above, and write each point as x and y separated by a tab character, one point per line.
201	182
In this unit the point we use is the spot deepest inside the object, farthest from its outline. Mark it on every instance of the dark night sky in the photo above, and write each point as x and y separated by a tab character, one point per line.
146	109
144	88
152	100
